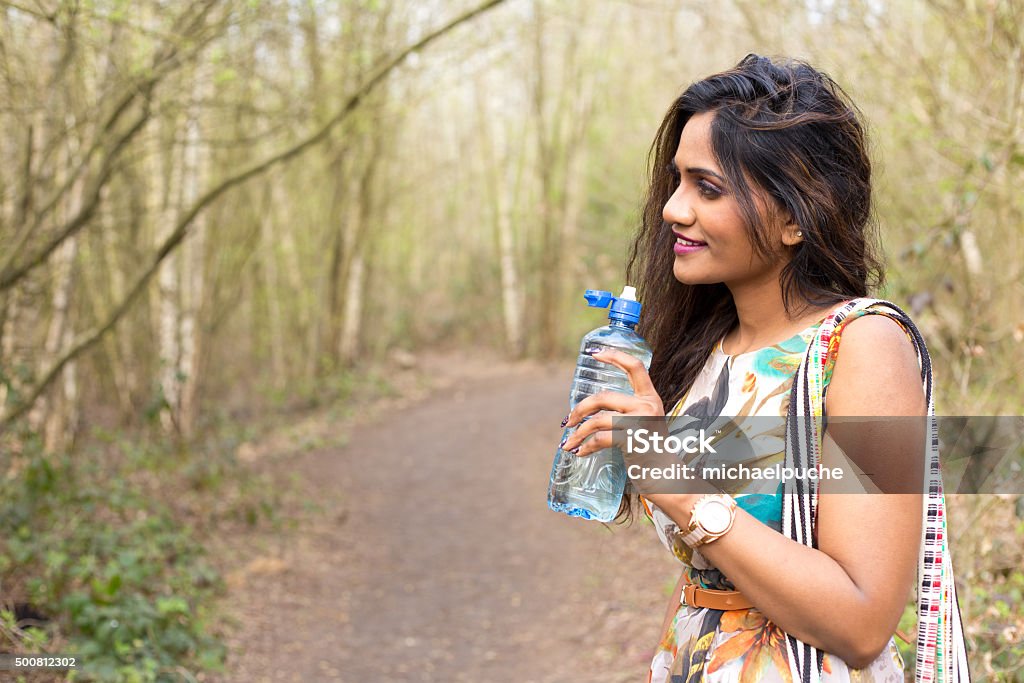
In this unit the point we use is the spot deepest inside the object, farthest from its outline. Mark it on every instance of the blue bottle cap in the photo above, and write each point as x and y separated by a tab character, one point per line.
624	308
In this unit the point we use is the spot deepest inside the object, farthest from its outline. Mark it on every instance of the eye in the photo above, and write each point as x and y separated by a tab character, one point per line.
672	171
707	190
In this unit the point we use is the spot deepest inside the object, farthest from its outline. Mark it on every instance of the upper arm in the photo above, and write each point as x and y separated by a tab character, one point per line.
876	371
875	537
876	405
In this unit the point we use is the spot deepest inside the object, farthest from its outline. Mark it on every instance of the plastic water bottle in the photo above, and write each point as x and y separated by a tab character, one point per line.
591	487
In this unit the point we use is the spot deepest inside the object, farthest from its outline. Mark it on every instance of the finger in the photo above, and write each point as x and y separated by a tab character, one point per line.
597	442
639	378
604	400
598	422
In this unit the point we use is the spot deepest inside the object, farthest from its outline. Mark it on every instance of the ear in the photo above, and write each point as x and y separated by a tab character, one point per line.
789	229
792	235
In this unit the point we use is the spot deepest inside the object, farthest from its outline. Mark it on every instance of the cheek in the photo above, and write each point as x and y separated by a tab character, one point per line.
729	231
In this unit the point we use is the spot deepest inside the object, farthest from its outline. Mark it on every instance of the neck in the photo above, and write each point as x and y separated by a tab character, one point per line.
762	314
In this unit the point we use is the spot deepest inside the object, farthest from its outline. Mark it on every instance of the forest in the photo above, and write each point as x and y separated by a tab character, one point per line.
219	218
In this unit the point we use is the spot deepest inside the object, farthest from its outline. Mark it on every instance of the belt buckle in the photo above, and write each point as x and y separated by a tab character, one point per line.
689	595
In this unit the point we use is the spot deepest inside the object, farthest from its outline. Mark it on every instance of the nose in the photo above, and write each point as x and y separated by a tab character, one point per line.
678	209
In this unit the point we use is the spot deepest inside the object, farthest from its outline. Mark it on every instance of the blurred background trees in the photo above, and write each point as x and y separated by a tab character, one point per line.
216	208
465	197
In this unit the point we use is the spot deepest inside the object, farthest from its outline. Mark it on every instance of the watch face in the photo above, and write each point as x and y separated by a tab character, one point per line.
714	516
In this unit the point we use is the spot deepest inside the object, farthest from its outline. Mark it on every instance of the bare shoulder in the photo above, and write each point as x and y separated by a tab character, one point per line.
876	370
877	334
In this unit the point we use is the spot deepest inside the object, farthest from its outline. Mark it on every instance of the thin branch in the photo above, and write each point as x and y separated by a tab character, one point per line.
31	12
11	276
163	64
91	337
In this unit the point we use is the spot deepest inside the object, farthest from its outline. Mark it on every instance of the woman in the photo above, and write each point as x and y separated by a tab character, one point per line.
757	241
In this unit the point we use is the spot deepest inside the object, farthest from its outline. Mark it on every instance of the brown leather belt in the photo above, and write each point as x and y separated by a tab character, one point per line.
695	596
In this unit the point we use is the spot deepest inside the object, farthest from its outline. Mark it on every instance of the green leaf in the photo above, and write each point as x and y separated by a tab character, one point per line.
172	605
55	559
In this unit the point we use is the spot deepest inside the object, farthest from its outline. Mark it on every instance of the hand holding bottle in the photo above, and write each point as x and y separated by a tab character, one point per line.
596	433
600	428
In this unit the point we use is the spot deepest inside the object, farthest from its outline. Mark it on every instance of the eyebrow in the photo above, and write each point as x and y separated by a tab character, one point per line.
695	170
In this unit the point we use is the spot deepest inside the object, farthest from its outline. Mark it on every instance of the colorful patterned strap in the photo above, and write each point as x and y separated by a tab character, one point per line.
941	649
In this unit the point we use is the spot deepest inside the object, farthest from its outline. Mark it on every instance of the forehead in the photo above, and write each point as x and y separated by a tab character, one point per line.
695	142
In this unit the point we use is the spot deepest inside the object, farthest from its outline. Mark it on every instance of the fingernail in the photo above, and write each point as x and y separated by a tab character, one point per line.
575	451
565	420
562	442
592	349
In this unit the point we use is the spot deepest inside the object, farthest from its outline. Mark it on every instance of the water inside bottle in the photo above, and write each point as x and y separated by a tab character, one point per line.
591	486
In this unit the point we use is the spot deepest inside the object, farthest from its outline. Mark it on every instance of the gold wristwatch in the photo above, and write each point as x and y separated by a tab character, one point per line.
711	518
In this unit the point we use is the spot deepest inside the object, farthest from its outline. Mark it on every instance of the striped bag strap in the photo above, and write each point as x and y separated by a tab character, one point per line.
941	649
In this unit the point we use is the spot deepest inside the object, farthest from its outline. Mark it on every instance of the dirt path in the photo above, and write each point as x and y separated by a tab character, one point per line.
435	557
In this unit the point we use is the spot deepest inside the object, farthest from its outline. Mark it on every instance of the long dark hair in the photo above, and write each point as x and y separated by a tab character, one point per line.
797	136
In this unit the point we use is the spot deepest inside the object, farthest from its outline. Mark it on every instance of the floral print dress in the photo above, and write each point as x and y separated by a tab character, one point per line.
714	646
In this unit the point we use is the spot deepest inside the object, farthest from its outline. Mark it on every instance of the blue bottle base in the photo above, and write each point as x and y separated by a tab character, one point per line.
571	510
590	487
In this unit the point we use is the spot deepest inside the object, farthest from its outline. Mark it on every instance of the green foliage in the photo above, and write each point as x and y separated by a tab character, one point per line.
334	388
996	627
123	581
908	625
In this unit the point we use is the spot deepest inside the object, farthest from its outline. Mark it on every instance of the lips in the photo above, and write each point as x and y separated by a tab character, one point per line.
685	244
688	242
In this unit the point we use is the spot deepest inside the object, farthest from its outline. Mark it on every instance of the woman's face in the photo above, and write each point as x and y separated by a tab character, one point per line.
713	243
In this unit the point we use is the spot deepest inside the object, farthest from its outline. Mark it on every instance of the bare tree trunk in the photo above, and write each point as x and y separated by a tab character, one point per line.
511	294
334	313
19	314
123	363
355	212
549	297
561	132
55	415
52	415
502	198
276	323
7	346
108	281
325	326
576	175
169	278
349	345
355	270
62	416
194	270
181	278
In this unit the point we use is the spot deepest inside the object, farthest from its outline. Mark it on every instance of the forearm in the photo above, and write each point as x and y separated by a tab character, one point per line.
798	588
